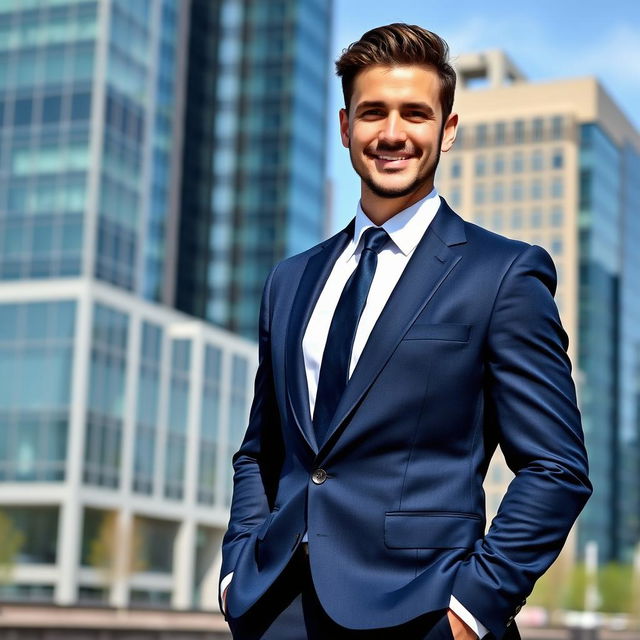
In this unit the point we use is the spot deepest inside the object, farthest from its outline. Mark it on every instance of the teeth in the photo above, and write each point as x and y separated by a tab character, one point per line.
392	158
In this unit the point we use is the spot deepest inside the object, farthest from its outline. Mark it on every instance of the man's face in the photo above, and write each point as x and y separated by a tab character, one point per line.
394	130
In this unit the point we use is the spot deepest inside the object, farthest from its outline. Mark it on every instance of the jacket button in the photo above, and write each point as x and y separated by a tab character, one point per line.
319	476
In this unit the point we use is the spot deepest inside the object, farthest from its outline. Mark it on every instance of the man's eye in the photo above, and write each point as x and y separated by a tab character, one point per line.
372	112
417	114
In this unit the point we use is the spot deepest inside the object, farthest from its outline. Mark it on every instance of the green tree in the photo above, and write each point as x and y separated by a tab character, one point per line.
615	583
576	588
11	541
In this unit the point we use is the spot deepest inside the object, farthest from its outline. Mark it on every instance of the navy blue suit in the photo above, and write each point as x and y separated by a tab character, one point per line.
468	353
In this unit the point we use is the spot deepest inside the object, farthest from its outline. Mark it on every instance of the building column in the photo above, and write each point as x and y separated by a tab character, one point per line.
212	559
69	546
183	565
119	596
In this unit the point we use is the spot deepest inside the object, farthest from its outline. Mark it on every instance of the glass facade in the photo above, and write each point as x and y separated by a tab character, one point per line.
148	406
209	425
261	143
176	445
628	441
127	413
47	56
237	412
105	413
48	66
609	237
36	354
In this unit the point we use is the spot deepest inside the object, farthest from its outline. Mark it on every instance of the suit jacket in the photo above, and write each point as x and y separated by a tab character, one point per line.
467	354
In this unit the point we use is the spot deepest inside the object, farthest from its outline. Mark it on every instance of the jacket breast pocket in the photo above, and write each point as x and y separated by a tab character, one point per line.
431	529
450	332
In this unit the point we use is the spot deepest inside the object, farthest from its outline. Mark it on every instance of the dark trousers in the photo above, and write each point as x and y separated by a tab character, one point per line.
290	610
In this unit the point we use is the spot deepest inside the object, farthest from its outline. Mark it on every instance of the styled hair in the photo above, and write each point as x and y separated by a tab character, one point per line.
398	44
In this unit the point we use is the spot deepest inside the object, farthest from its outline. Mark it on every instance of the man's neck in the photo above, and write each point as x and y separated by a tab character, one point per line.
379	209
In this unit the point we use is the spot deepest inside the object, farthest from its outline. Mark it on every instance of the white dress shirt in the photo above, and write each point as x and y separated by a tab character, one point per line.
405	231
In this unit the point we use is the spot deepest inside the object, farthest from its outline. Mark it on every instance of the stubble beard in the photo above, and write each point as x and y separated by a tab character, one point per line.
397	192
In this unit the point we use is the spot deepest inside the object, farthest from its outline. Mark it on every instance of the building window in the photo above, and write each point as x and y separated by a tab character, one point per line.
557	217
518	131
106	397
537	160
536	189
497	194
498	164
148	400
178	414
38	530
556	246
479	194
557	188
557	159
456	168
496	220
557	127
517	162
481	135
516	219
156	541
455	197
538	129
500	133
209	425
36	369
480	165
517	190
536	218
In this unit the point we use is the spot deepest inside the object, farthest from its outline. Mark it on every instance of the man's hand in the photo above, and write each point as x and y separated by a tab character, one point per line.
460	629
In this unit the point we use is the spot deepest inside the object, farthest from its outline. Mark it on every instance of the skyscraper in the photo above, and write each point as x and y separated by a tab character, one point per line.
558	164
254	178
128	181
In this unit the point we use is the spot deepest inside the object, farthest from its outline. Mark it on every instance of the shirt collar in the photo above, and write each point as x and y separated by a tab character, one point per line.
405	229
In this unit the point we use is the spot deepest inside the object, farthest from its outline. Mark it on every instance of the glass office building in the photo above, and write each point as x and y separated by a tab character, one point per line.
148	149
254	177
557	164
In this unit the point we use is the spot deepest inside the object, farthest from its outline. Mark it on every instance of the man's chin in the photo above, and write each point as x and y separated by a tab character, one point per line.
390	192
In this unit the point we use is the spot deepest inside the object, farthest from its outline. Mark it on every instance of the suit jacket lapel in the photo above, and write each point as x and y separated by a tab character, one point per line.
313	279
430	264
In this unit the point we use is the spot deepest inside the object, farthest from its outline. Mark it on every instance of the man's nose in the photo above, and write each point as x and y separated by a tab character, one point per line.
392	131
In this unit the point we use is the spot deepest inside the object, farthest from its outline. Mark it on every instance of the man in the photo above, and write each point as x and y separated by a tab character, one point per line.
394	357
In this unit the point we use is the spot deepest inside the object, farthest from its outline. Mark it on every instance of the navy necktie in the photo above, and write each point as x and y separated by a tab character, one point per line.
334	370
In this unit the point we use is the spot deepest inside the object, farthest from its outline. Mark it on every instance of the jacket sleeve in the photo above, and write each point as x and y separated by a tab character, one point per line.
531	405
257	463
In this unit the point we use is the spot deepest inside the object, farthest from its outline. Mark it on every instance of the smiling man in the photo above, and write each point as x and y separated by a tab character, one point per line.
394	358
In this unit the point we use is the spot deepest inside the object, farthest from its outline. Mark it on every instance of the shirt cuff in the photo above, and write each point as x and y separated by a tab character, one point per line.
225	582
467	617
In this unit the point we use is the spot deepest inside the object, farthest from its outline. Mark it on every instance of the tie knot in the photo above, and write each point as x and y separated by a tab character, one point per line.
374	239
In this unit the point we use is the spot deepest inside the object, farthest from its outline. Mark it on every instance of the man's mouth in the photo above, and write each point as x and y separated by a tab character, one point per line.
393	161
389	157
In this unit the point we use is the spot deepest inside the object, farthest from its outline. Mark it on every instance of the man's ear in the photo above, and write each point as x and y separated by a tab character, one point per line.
344	127
449	132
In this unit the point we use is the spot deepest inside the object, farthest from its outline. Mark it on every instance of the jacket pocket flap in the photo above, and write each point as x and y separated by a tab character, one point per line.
431	530
454	332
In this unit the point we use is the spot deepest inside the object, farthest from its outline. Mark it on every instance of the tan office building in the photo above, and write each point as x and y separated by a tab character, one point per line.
558	164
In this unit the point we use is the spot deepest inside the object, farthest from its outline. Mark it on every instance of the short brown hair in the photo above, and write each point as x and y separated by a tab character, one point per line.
398	44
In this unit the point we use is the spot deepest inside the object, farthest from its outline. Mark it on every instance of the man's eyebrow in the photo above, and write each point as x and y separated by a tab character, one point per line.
368	104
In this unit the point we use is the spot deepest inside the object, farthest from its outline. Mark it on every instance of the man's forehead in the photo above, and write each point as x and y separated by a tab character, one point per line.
401	83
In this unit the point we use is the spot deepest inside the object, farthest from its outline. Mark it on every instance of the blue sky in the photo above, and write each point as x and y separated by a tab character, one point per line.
546	39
